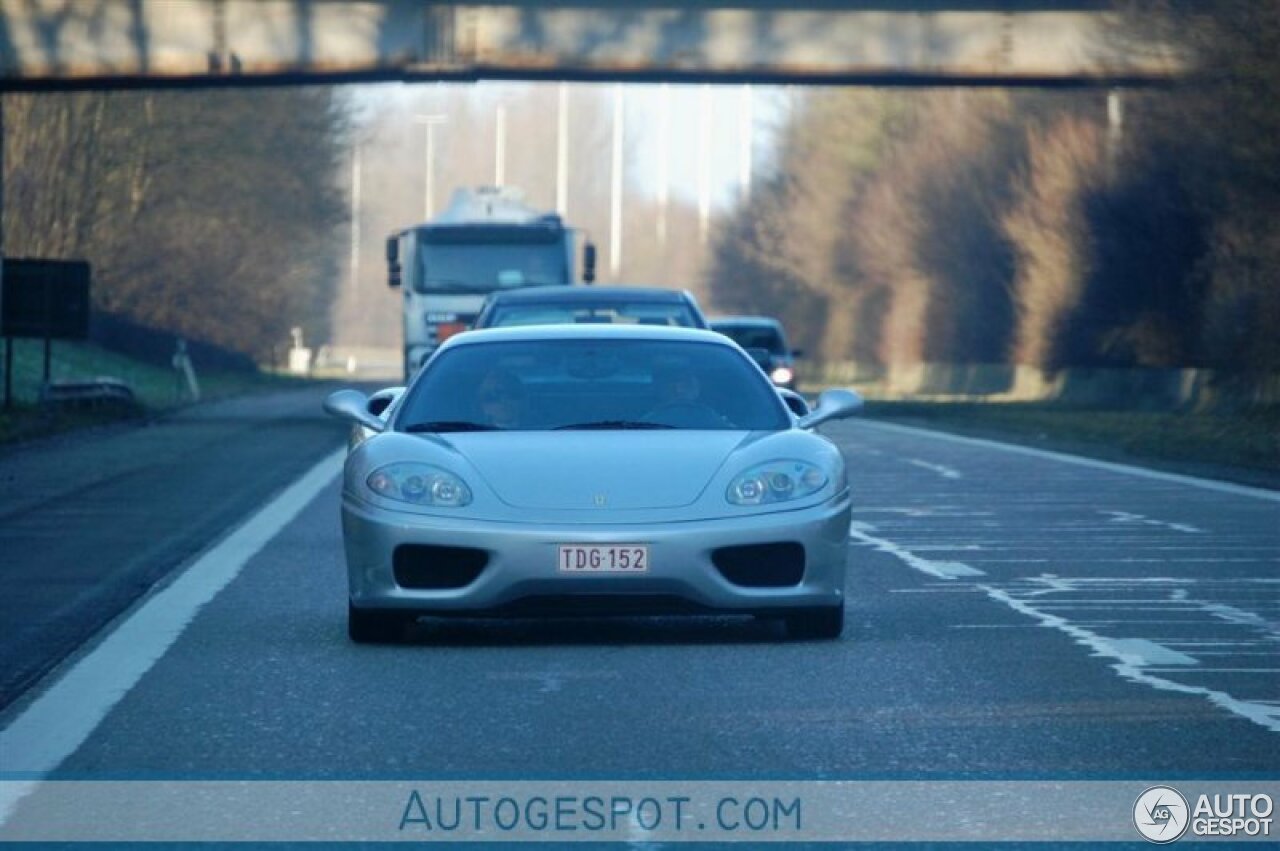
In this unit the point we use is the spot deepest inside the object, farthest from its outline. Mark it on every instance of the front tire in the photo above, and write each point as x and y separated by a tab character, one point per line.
374	626
820	622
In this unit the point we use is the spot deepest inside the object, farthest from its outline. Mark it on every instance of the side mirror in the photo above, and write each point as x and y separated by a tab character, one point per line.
353	406
393	261
589	262
380	401
833	404
797	403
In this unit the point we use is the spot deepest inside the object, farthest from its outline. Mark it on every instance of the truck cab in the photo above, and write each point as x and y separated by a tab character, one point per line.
487	240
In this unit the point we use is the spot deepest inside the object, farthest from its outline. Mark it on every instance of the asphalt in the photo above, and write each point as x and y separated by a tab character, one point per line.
1010	615
90	521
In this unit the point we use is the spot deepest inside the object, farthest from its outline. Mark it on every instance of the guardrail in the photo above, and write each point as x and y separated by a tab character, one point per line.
91	393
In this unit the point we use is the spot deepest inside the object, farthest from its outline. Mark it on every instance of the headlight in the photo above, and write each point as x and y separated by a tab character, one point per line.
419	484
777	481
781	375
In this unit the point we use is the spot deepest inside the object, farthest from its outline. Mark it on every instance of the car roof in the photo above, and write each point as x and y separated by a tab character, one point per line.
571	294
758	321
534	333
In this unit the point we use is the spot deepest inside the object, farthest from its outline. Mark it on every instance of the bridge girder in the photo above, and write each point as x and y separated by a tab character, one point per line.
92	43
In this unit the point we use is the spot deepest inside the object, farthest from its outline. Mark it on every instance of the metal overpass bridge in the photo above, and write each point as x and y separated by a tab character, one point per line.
51	44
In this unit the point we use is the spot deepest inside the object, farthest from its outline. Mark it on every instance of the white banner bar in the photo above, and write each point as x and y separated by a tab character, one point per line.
635	811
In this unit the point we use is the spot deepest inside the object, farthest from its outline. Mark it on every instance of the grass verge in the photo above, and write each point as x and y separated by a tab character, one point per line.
156	388
1242	446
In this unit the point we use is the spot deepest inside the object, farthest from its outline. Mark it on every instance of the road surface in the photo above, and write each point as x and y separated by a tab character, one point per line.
1010	613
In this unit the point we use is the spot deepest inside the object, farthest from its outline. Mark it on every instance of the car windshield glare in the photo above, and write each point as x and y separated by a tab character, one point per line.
590	385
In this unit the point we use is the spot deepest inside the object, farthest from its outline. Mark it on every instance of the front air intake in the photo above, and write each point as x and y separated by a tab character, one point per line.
425	567
777	565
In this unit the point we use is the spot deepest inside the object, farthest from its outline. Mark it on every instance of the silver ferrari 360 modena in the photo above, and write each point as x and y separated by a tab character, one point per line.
592	469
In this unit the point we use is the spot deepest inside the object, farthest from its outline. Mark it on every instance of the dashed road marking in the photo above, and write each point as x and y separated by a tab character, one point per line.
938	569
1263	714
1131	518
941	469
1137	659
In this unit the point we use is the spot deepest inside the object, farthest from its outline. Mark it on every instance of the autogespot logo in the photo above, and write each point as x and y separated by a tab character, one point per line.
1160	814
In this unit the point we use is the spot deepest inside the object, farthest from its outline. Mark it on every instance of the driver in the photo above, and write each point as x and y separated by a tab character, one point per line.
680	402
677	385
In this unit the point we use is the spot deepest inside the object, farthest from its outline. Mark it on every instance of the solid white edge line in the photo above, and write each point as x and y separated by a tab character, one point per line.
59	721
1019	449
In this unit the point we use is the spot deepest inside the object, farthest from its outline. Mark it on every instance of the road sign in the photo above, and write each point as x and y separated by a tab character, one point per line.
46	299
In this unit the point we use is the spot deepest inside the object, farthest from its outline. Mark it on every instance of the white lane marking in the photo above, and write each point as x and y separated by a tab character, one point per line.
1133	656
1178	599
1231	671
56	723
1144	653
940	469
1159	475
1259	713
939	569
940	511
1131	518
1066	582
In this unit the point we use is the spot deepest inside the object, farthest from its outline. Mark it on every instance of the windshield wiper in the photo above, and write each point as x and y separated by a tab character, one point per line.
610	425
451	425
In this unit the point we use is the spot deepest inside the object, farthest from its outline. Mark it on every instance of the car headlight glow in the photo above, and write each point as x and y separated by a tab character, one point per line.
776	481
781	375
419	484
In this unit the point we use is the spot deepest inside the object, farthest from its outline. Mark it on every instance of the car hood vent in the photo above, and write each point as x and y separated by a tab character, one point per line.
598	470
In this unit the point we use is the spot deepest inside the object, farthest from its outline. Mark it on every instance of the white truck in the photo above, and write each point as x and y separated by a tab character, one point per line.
487	239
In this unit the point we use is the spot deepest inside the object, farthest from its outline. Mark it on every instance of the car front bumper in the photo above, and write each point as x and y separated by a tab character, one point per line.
521	574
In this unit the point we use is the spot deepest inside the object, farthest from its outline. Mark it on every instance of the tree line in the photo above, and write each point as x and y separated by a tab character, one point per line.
214	214
1051	228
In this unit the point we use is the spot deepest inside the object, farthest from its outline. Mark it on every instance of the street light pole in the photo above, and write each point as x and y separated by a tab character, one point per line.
615	206
355	218
429	157
664	159
500	148
746	142
704	162
562	152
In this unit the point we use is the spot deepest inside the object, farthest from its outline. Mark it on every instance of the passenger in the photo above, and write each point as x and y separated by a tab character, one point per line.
501	399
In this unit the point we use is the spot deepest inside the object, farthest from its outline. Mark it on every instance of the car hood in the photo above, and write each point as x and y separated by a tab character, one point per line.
596	469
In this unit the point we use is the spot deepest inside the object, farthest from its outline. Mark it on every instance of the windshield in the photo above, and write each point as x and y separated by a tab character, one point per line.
591	384
670	314
755	337
476	267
